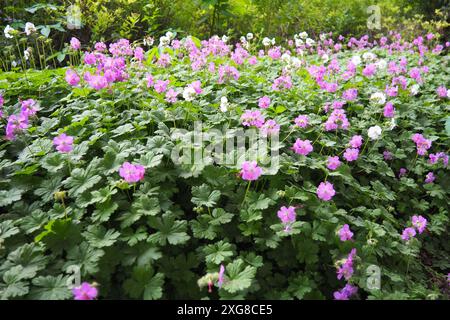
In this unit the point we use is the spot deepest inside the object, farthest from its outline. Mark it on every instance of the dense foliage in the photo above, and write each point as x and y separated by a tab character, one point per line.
164	230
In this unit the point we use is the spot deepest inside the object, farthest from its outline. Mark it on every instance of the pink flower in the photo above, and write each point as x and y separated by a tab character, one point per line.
270	127
301	121
150	81
264	102
132	173
287	215
442	92
85	292
252	118
164	60
139	54
29	108
161	86
351	154
430	177
408	233
369	70
97	82
72	77
356	141
336	120
422	144
171	96
63	143
196	85
302	147
345	233
333	163
221	276
345	293
346	269
16	124
350	94
325	191
100	46
89	58
250	171
283	82
419	222
389	110
252	60
75	43
387	155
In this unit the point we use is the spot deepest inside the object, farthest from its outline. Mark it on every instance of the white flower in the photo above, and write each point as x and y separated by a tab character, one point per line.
8	32
224	104
243	39
266	42
310	42
148	41
249	36
448	93
325	57
164	41
356	60
303	35
323	36
273	41
29	28
414	89
224	38
381	64
369	56
26	55
296	62
285	57
378	98
298	42
374	132
189	93
14	64
170	35
393	124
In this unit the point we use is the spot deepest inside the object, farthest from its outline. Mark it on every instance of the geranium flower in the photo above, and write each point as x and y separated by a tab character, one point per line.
302	147
250	171
419	223
63	143
345	233
333	163
325	191
132	173
85	291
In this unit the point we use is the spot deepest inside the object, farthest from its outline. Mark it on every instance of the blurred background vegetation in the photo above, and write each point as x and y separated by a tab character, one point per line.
108	20
133	19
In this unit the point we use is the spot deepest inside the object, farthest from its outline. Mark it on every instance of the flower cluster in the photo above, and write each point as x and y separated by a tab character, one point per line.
419	224
422	144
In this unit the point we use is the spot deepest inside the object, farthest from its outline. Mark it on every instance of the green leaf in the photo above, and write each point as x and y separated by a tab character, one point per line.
86	257
99	237
239	277
81	180
202	196
169	230
9	196
144	284
50	288
218	252
59	234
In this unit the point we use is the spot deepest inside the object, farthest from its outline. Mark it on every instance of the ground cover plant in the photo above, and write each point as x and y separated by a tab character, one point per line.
349	202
